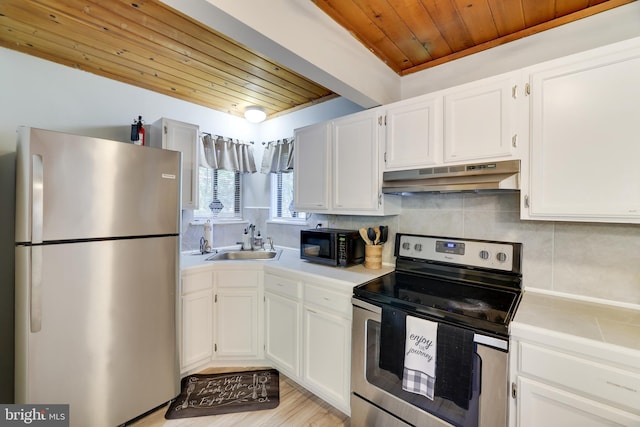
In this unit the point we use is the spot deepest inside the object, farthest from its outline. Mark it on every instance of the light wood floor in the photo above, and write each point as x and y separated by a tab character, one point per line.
298	407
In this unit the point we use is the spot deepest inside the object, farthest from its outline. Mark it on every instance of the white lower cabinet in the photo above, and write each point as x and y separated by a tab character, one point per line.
565	382
301	328
196	344
283	317
308	335
236	323
237	314
221	312
544	405
327	356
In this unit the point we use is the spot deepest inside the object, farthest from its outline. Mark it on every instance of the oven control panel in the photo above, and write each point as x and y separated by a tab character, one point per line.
476	253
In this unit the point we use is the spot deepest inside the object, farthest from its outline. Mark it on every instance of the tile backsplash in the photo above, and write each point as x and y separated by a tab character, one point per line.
594	260
586	259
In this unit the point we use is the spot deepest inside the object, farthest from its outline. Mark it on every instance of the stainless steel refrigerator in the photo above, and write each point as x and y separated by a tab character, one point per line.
97	267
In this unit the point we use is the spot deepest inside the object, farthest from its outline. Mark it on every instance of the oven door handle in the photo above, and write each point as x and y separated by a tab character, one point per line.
491	342
366	306
477	338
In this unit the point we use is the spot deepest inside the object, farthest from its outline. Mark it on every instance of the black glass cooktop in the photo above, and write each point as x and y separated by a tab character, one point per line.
480	307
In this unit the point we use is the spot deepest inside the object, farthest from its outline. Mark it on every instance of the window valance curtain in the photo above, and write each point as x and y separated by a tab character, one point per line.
278	156
227	154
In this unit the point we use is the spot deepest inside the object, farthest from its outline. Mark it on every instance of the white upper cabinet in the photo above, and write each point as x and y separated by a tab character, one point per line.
311	168
355	166
480	120
414	133
338	167
179	136
585	146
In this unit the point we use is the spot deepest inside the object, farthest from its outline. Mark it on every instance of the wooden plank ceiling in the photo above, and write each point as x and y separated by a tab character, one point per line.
412	35
150	45
147	44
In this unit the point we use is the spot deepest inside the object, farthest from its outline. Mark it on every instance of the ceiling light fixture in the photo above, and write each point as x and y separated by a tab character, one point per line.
255	114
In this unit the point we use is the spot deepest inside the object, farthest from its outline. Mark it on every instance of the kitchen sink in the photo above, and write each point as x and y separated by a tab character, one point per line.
234	255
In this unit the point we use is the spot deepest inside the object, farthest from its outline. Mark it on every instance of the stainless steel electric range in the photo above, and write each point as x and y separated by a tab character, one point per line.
470	289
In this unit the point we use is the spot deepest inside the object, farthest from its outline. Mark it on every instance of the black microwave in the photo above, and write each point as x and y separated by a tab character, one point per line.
332	246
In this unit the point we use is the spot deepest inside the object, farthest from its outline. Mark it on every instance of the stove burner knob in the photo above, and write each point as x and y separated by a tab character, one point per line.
418	247
484	254
406	246
501	256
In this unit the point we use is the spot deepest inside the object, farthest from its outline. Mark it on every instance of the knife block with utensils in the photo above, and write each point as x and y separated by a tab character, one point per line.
373	256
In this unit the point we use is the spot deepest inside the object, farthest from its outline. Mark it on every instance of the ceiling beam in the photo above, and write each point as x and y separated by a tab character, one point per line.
298	35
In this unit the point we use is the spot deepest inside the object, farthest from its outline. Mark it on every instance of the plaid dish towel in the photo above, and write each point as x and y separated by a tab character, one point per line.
419	372
418	382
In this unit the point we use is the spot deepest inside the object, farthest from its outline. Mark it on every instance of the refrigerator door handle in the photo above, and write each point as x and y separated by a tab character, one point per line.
37	195
35	292
37	215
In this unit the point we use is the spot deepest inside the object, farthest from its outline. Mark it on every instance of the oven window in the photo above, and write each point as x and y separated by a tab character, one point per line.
389	382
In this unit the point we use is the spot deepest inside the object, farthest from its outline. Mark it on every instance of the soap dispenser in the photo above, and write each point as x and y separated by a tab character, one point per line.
259	243
208	234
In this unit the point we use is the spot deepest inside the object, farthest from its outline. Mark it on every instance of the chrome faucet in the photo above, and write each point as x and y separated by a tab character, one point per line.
252	227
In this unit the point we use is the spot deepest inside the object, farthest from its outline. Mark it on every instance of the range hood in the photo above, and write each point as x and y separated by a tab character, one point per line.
489	176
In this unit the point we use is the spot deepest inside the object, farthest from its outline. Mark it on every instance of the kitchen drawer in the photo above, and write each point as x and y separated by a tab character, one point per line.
196	282
604	383
238	278
281	285
331	300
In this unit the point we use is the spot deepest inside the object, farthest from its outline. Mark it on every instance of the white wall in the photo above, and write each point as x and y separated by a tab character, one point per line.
43	94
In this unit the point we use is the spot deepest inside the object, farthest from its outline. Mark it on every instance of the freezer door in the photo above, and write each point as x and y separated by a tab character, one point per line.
107	338
73	187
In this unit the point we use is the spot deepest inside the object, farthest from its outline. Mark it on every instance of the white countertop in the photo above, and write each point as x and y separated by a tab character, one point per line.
602	324
599	323
290	261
